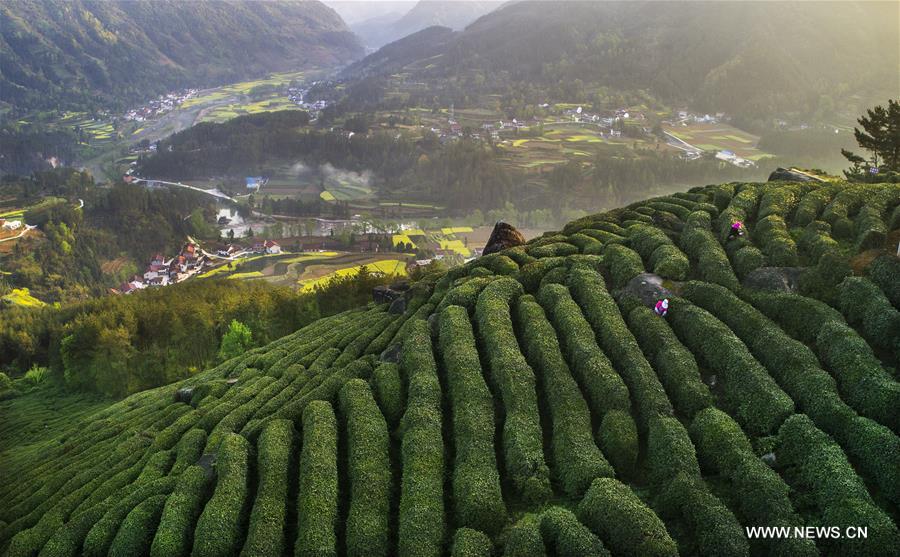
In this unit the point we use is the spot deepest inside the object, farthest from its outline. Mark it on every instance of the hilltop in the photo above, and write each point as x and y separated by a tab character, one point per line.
527	403
77	54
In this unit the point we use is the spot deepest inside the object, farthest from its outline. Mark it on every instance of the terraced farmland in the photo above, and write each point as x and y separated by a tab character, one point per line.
525	405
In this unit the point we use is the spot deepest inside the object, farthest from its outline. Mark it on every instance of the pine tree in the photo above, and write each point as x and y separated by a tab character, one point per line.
880	135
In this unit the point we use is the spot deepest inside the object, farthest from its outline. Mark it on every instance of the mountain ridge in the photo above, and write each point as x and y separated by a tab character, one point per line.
82	52
733	58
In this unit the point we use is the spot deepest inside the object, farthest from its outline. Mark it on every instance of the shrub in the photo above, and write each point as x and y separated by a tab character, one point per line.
218	530
742	206
157	466
604	237
510	373
776	242
388	390
870	229
864	305
476	483
36	375
497	263
749	393
318	489
531	274
576	458
644	239
421	528
585	243
369	471
616	515
265	536
603	315
669	262
810	206
711	262
884	271
712	525
867	386
568	537
525	539
621	263
816	240
519	255
674	364
603	387
822	281
779	201
101	535
618	439
760	494
747	259
471	543
556	249
819	467
174	537
465	294
799	316
136	533
669	451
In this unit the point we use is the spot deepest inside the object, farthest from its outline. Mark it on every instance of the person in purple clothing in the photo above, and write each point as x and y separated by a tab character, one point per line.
737	230
662	307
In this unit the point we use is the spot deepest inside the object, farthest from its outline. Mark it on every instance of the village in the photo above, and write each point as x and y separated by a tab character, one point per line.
159	106
409	246
615	125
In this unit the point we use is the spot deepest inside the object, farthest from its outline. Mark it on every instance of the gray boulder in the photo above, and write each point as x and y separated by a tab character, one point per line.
778	279
790	175
648	287
391	354
184	394
398	306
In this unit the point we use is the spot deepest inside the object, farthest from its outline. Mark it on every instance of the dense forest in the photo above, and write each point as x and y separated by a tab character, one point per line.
116	345
120	223
80	54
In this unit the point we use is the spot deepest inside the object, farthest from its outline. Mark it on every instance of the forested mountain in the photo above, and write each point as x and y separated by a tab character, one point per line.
78	53
454	14
742	58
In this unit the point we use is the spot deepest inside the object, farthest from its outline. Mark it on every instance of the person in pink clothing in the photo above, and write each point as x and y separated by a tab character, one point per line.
737	230
662	307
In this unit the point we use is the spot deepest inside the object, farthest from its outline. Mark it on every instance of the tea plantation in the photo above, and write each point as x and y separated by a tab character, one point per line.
525	404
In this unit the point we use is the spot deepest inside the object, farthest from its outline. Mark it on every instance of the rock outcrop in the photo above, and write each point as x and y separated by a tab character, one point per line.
779	279
790	175
502	237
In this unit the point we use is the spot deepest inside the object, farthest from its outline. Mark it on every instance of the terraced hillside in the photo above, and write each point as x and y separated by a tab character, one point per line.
523	405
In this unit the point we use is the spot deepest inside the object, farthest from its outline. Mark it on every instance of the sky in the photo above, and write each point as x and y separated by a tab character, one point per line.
354	11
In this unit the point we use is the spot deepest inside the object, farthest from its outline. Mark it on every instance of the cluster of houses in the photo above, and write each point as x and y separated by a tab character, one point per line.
260	247
162	272
158	106
10	224
297	95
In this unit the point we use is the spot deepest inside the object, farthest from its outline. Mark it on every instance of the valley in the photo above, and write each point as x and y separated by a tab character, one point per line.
428	278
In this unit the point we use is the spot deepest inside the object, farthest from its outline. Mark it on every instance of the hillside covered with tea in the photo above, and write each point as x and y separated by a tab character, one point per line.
528	403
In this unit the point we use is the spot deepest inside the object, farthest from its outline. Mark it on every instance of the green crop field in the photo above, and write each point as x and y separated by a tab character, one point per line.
527	403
